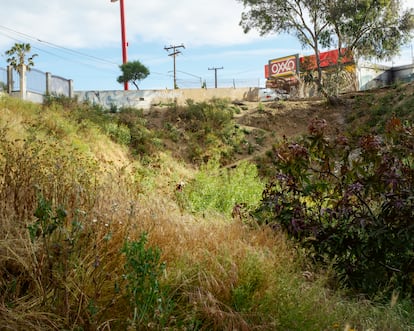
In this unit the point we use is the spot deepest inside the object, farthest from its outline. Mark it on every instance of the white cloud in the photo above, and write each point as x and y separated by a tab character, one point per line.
96	23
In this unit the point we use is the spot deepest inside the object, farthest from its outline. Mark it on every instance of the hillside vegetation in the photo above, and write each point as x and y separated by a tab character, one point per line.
181	218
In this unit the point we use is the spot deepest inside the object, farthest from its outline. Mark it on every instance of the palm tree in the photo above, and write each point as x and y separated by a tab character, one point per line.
17	59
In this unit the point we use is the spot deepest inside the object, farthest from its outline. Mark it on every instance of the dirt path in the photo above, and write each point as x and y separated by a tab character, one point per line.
269	122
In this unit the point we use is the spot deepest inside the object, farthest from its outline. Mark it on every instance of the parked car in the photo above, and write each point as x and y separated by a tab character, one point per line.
268	94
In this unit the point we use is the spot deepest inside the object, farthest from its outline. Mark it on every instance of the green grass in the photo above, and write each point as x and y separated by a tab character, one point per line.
219	190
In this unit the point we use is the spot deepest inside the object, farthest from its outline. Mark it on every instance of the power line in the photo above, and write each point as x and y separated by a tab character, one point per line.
56	46
72	55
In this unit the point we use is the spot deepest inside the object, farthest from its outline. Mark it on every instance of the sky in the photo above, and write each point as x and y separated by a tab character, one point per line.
81	40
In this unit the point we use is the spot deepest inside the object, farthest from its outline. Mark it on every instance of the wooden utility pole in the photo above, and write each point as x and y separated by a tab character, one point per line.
215	75
174	53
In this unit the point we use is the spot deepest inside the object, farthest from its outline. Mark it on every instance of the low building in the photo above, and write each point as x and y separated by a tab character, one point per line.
340	73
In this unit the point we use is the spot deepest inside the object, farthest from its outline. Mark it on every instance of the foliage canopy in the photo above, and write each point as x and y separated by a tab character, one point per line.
133	72
349	201
17	56
369	28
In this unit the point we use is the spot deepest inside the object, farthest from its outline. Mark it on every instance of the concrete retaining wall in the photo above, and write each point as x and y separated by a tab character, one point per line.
403	73
373	76
144	99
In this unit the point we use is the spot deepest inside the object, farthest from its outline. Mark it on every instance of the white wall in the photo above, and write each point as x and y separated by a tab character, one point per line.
144	99
403	73
372	76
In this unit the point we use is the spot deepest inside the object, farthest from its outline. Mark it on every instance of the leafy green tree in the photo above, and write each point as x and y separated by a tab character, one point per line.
17	59
133	72
369	28
301	17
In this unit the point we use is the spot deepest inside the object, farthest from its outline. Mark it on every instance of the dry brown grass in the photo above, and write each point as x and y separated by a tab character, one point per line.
220	274
66	277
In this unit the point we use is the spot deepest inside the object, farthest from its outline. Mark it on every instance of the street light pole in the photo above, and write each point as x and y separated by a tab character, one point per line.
123	34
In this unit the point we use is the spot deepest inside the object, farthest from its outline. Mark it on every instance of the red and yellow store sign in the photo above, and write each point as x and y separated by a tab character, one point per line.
284	66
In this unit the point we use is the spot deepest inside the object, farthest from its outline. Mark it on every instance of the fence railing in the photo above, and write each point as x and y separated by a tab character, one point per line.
36	82
60	86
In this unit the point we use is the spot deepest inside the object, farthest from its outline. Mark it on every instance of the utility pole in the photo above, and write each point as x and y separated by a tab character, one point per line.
215	74
174	53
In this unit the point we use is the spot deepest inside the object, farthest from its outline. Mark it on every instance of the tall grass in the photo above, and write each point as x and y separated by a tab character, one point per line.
89	239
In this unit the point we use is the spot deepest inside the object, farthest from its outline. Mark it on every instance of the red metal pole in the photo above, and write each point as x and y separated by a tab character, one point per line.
123	33
124	42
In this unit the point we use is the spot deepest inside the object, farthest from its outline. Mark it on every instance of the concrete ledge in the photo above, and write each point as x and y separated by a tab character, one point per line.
144	99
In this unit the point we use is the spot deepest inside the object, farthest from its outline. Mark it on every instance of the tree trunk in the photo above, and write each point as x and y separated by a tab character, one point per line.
319	78
22	76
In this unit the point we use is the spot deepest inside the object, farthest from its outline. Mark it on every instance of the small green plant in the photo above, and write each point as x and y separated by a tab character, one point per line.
251	280
120	133
47	221
260	137
260	108
173	133
143	270
250	148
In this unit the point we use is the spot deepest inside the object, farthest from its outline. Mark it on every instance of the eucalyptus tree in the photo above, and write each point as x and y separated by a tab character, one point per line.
369	28
300	17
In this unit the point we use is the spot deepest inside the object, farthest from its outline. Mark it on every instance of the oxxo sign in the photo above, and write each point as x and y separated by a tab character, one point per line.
285	66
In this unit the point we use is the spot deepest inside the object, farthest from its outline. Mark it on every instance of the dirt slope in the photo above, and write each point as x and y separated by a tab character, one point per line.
289	118
266	122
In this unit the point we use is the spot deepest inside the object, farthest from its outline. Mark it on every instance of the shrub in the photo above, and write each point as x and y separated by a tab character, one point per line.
211	131
120	133
349	203
213	115
142	140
